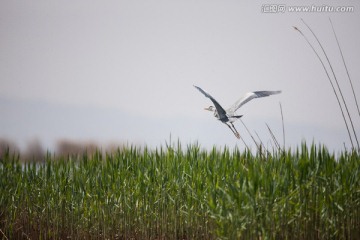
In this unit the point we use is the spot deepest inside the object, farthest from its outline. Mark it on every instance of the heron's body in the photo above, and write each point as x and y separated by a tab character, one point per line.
228	116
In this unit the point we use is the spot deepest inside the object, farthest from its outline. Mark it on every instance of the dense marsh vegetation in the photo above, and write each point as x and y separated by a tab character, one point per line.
182	193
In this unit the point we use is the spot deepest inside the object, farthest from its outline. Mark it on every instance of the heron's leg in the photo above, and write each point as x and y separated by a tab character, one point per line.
237	134
234	132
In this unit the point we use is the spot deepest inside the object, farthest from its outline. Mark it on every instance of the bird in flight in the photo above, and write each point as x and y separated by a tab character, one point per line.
228	116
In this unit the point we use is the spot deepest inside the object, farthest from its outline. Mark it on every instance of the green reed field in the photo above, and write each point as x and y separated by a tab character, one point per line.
182	193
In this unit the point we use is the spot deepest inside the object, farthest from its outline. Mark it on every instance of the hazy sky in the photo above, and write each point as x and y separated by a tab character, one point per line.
124	71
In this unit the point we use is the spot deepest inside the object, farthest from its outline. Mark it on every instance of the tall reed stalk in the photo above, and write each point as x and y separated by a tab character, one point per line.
337	83
332	84
347	71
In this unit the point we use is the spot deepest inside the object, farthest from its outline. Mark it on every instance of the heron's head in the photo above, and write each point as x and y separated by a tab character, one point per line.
210	108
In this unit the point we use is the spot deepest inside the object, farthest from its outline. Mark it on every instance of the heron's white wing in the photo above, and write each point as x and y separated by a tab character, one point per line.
219	109
249	96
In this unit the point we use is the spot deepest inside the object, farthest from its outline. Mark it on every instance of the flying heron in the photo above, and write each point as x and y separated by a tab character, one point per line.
228	116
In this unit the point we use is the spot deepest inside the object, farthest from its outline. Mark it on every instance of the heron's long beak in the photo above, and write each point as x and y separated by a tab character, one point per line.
207	108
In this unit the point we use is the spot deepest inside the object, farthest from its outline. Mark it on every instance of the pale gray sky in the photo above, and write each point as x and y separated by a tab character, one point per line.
124	70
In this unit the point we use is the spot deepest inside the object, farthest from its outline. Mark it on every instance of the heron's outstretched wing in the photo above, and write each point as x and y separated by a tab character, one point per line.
249	96
219	109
